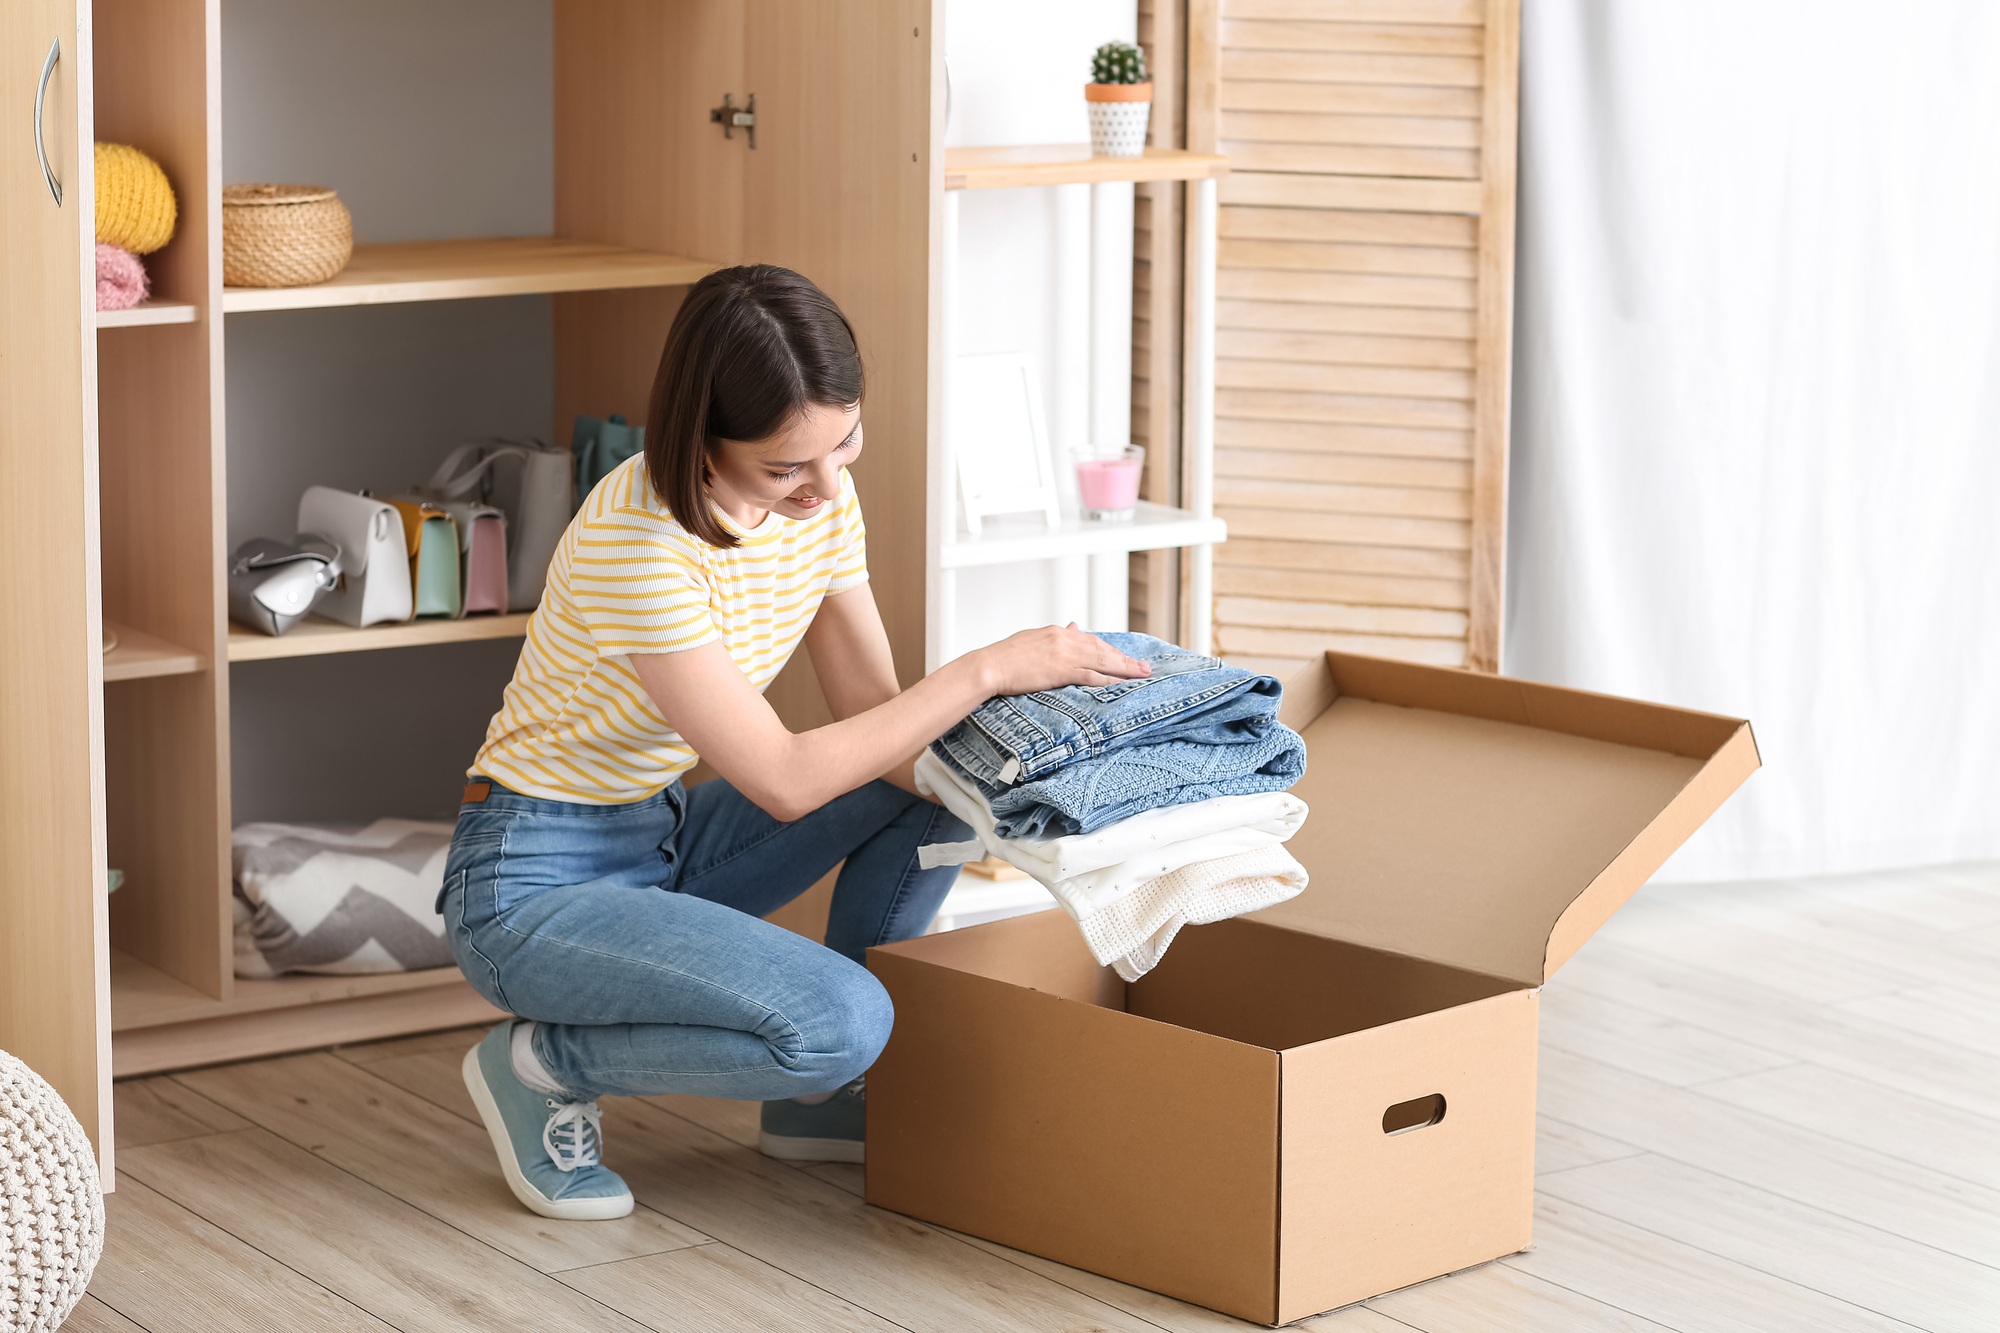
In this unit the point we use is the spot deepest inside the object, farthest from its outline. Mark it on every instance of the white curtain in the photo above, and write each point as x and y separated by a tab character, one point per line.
1756	462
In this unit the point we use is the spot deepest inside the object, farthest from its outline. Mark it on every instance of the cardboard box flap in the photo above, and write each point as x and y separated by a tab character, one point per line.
1489	823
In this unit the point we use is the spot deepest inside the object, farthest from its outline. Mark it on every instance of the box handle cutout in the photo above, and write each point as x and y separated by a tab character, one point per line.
1406	1116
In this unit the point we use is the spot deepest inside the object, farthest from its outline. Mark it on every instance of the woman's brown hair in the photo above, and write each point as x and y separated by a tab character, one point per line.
751	348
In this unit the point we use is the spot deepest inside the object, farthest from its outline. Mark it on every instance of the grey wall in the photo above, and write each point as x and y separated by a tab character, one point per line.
433	119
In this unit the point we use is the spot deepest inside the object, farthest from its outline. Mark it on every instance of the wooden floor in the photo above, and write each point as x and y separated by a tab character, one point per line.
1764	1108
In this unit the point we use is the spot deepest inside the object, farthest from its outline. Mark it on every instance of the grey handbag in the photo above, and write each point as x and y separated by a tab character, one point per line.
535	499
272	585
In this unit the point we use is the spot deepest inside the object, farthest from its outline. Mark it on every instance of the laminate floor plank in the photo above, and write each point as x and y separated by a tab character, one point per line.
1862	1265
1889	1125
1677	1284
1645	1043
424	1155
1560	1146
1760	1016
717	1289
905	1272
1356	1319
850	1176
159	1110
1943	897
1801	1165
1778	960
451	1039
170	1269
434	1079
1954	898
1494	1298
1161	1311
734	1120
1856	928
91	1315
382	1254
1945	1013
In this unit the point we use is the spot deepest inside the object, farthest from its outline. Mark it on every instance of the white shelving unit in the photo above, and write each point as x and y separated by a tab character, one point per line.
1096	588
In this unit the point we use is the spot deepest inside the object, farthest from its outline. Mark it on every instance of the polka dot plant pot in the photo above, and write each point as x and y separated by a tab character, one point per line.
1119	113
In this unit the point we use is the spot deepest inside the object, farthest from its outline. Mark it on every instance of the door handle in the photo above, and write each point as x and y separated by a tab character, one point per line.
41	95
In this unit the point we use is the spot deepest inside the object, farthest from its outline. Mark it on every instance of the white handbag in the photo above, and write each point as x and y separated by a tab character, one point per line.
535	499
375	566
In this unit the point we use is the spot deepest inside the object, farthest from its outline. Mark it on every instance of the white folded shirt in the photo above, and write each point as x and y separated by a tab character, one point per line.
1088	872
1132	934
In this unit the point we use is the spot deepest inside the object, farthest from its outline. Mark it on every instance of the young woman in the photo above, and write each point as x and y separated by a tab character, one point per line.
617	913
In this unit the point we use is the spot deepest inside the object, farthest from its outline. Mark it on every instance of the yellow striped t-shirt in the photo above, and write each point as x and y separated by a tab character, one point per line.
576	724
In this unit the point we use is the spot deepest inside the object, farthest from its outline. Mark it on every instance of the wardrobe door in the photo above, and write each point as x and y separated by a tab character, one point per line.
54	986
843	186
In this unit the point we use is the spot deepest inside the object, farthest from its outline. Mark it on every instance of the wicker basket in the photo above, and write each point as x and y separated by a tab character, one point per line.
283	235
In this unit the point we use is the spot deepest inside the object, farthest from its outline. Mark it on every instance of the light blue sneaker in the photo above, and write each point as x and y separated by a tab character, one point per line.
548	1146
834	1131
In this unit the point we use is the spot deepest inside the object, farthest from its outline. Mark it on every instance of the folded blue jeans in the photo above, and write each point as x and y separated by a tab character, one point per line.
1024	737
1087	795
632	933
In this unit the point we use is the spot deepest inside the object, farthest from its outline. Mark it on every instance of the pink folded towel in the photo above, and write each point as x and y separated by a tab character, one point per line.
121	278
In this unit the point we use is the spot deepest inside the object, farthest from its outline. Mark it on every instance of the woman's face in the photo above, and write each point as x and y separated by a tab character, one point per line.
795	472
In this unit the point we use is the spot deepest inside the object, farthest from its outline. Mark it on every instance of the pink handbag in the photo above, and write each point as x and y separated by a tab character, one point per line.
482	532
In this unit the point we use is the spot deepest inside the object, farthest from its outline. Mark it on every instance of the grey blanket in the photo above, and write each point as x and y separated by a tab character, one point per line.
339	899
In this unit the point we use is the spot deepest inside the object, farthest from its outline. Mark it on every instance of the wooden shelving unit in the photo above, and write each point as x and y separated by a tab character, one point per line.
314	636
140	655
125	758
459	270
149	312
1098	550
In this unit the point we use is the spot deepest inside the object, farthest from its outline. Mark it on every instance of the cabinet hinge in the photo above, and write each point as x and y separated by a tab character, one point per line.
732	117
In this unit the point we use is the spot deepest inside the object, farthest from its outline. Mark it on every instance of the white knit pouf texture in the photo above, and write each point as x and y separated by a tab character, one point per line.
1118	129
51	1205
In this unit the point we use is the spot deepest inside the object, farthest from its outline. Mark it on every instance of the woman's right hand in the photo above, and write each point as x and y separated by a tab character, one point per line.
1051	657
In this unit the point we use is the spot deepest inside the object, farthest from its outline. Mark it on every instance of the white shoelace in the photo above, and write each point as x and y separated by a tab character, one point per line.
574	1134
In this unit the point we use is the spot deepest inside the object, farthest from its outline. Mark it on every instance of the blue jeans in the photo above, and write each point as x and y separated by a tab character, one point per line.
1203	700
631	933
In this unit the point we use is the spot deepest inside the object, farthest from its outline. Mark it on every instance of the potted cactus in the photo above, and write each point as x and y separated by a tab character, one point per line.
1120	98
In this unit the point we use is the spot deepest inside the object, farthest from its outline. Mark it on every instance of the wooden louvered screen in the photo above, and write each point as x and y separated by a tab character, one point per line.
1364	301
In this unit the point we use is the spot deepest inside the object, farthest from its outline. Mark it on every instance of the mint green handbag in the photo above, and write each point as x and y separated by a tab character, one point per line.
433	545
600	446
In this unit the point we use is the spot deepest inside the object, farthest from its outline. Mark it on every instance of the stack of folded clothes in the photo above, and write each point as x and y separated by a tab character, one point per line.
1143	806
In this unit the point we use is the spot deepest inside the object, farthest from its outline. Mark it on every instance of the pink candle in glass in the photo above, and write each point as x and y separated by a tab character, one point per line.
1109	486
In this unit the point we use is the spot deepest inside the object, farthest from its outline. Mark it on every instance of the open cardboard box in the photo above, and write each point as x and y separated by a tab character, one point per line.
1333	1098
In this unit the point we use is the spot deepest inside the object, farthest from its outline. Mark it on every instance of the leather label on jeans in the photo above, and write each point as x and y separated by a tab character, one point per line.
476	792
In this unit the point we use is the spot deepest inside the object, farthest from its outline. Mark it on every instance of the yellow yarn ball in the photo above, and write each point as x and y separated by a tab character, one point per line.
135	203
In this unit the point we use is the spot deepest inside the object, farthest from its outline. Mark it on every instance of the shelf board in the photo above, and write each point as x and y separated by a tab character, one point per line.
313	636
149	312
1071	164
139	655
1026	537
455	270
142	996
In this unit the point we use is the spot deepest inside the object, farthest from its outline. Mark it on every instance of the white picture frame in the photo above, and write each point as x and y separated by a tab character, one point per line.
1000	440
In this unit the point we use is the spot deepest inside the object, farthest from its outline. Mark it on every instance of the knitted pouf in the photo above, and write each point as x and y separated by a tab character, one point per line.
51	1209
135	204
